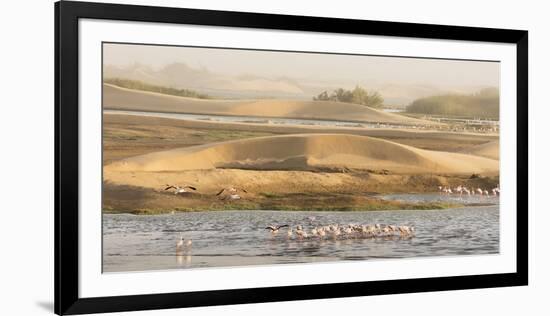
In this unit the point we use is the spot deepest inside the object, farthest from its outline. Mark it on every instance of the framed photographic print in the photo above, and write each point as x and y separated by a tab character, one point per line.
208	157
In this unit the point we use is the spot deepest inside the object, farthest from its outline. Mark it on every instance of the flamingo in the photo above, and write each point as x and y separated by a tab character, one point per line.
275	228
232	191
289	233
406	230
179	189
314	231
459	189
300	232
183	244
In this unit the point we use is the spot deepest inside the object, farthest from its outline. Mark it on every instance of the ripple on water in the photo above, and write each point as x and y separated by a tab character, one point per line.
239	238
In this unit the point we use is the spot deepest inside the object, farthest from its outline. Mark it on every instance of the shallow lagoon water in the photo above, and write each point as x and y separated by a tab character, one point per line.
253	119
236	238
437	197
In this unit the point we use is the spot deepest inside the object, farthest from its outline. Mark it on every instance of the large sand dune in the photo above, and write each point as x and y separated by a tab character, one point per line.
309	152
488	150
118	98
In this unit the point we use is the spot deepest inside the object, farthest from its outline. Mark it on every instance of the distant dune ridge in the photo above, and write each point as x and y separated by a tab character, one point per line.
118	98
488	150
309	152
181	75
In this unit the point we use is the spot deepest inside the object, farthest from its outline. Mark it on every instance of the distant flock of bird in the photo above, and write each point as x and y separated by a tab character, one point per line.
229	193
332	231
336	231
468	191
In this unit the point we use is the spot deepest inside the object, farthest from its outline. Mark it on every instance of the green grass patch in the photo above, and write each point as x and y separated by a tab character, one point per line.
143	86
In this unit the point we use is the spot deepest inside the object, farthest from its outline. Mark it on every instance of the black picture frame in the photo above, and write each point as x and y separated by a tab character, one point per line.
67	15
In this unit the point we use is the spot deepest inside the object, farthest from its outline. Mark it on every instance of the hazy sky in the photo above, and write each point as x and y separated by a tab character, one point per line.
321	67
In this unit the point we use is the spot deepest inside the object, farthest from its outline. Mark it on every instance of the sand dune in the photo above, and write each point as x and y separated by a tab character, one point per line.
488	150
117	98
308	152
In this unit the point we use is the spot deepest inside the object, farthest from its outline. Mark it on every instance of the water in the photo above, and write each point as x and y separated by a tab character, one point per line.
255	120
436	197
235	238
394	110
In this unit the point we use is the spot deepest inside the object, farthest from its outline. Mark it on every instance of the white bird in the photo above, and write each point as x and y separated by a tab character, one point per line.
289	233
183	244
231	193
406	230
480	191
300	233
234	197
179	189
314	231
311	219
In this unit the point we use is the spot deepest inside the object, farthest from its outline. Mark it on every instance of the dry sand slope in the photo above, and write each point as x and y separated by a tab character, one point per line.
117	98
308	152
488	150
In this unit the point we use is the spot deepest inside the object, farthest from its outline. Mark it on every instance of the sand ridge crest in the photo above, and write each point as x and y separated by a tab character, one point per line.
117	98
488	150
308	152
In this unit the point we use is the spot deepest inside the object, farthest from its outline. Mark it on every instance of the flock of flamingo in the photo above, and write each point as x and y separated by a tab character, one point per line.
468	191
332	231
336	231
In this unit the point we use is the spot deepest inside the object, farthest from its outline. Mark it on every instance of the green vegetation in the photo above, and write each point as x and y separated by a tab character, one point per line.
369	205
483	104
358	95
140	85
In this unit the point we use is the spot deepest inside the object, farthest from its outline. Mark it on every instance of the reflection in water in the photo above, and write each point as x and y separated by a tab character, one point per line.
183	260
233	238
